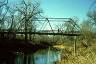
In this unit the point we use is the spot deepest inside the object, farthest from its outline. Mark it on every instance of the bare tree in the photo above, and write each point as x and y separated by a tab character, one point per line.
92	17
3	11
29	11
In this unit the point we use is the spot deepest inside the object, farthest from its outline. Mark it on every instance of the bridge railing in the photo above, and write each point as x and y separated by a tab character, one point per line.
12	34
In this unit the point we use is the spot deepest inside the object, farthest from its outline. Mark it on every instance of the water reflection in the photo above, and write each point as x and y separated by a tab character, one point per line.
46	56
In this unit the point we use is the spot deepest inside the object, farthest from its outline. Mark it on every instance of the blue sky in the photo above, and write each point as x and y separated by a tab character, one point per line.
66	8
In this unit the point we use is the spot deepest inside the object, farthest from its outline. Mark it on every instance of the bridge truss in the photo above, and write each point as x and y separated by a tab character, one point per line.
47	26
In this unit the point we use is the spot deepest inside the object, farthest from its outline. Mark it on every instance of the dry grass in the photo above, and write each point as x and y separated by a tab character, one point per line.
83	56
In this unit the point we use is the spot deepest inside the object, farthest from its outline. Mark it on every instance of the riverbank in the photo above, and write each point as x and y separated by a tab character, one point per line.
21	46
82	56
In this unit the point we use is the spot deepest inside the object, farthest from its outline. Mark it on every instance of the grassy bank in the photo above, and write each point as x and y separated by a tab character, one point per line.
82	56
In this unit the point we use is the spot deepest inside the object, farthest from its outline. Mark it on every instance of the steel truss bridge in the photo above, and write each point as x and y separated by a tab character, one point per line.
46	26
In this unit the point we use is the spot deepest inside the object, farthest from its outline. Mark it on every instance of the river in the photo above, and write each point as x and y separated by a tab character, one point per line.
45	56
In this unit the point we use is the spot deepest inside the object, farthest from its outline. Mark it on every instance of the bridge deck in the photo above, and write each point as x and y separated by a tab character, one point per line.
43	33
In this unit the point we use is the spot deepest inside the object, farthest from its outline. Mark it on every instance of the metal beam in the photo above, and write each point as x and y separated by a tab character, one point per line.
42	33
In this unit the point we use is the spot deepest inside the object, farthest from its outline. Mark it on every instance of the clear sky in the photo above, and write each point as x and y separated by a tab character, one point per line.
66	8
